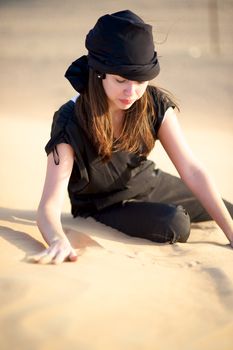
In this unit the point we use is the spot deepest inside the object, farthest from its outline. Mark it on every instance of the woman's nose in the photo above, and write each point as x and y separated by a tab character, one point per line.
130	89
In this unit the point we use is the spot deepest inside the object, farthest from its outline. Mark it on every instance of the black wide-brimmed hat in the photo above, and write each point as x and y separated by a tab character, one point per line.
121	44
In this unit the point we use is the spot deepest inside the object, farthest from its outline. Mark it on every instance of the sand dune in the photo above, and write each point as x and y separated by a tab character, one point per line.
123	292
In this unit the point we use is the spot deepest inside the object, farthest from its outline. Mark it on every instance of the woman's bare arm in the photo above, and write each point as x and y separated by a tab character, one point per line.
50	207
193	173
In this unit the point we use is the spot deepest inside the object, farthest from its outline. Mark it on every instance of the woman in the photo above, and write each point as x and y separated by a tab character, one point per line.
100	140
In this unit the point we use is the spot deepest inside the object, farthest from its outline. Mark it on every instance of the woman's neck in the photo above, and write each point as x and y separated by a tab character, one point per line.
117	122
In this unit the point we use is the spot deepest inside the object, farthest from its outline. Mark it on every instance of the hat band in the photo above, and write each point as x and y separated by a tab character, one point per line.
135	72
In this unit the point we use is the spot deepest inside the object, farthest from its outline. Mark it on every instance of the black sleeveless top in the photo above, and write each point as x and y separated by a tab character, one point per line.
95	185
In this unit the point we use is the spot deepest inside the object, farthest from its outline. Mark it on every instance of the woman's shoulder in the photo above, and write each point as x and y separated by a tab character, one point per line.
160	94
65	127
161	101
161	98
65	113
66	109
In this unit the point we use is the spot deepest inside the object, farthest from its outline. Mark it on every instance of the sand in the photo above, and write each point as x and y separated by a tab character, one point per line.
123	292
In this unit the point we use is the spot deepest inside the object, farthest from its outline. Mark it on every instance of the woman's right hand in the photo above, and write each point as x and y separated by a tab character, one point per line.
49	211
59	251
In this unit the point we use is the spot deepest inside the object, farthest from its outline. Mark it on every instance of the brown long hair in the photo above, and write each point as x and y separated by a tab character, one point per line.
137	132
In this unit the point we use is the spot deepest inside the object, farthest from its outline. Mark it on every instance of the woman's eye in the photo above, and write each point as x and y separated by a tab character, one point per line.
120	81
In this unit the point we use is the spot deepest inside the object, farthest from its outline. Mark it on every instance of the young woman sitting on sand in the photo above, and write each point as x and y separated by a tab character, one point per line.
100	142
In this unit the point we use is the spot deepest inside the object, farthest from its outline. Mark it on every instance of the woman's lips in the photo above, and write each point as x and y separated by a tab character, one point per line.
126	102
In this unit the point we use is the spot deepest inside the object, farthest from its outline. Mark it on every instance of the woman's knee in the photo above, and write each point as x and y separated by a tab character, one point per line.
157	222
179	225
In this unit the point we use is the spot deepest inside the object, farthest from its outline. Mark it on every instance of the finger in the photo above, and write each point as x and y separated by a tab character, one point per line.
60	257
37	257
73	255
46	259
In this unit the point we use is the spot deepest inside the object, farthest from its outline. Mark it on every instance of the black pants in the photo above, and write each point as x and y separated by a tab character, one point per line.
163	215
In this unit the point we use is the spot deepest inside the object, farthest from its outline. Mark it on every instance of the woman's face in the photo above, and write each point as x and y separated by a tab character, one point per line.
121	92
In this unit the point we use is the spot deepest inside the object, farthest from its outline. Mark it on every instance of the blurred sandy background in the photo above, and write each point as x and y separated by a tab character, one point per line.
123	293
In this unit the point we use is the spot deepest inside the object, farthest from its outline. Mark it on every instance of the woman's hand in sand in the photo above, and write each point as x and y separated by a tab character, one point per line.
59	251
